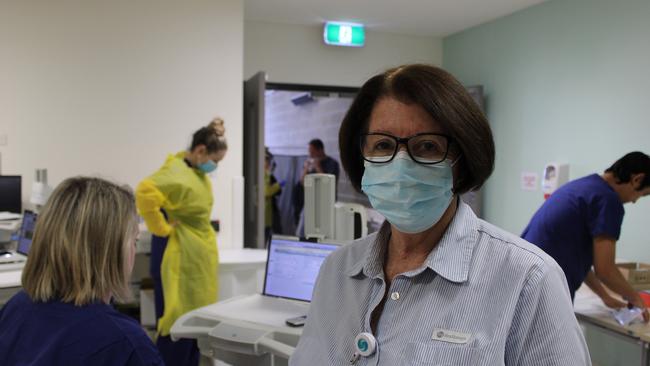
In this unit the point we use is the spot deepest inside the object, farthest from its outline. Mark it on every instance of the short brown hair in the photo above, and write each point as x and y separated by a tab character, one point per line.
79	249
444	99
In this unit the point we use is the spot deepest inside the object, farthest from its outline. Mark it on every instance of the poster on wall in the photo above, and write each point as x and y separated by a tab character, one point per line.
529	181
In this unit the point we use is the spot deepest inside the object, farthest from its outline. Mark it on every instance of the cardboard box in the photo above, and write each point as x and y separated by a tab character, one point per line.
637	274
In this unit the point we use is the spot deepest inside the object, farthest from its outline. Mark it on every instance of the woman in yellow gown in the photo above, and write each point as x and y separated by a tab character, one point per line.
176	203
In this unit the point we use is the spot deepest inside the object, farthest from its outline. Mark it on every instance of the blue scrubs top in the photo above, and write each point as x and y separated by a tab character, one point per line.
57	333
566	224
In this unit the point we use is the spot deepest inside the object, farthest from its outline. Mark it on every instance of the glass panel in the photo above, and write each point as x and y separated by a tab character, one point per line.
428	148
378	148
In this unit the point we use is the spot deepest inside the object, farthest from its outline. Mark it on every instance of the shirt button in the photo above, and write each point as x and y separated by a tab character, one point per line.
395	296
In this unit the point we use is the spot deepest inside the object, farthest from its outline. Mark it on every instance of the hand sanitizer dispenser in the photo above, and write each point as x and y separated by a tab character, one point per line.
40	189
554	176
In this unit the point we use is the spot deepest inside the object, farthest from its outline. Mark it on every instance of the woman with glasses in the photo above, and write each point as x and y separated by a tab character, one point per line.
436	285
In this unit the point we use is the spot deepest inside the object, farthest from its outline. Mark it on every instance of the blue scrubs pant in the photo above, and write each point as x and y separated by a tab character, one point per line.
183	352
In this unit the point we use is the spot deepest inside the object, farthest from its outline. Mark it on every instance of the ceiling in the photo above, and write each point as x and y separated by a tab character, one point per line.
432	18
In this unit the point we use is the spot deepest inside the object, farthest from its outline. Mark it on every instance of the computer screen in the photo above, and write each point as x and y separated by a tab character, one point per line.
292	267
10	193
26	232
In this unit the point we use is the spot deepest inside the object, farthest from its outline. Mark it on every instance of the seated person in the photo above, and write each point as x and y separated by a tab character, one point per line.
81	259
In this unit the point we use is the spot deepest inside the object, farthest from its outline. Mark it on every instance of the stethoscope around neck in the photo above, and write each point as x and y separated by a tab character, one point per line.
365	344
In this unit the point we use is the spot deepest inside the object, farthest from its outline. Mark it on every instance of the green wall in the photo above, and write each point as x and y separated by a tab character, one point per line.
565	81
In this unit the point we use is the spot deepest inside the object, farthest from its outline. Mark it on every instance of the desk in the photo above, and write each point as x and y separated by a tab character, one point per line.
244	330
241	272
634	340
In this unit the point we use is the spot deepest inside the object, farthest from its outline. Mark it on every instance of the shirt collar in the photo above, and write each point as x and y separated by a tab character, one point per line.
450	259
371	262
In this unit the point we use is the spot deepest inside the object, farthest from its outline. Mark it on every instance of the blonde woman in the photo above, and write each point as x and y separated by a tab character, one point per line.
176	204
81	258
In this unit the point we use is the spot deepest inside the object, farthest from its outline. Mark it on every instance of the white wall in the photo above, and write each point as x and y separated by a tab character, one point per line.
110	88
297	54
318	119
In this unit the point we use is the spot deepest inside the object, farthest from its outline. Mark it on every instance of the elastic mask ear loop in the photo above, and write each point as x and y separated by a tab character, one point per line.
453	163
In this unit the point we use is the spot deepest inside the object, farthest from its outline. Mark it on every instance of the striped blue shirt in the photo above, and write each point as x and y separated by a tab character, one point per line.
482	297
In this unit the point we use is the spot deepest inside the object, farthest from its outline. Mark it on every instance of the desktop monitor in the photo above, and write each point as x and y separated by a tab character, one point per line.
10	193
292	267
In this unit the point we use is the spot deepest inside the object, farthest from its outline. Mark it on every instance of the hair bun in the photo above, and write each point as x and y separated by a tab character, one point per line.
218	126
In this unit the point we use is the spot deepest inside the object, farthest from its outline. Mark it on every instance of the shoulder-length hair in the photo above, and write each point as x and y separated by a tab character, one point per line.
79	251
444	99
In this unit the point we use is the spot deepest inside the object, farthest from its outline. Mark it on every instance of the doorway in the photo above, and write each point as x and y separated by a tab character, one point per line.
280	121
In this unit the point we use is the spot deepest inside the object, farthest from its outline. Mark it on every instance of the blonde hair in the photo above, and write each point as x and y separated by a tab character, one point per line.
80	245
211	136
217	124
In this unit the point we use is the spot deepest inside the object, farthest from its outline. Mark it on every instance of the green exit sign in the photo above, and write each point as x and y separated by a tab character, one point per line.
344	34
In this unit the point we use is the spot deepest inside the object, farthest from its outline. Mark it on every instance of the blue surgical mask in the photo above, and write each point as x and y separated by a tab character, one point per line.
208	167
413	197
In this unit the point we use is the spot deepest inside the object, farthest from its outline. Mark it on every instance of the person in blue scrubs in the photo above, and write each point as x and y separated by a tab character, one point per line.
80	261
579	224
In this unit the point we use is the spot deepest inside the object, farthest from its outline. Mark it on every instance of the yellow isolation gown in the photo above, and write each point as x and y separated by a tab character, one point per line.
190	262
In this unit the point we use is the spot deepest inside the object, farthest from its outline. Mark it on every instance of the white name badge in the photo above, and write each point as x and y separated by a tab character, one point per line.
450	336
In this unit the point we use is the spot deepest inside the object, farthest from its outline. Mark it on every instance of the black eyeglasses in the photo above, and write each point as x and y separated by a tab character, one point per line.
423	148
